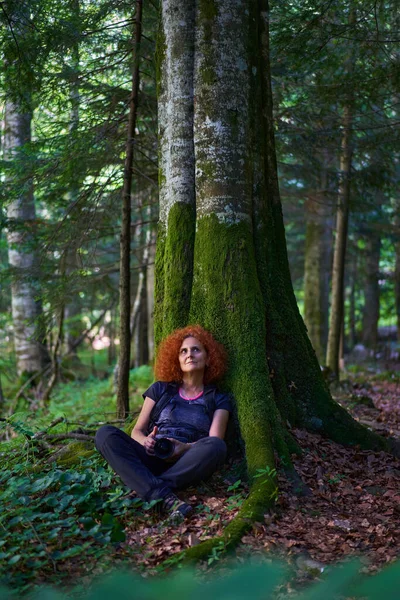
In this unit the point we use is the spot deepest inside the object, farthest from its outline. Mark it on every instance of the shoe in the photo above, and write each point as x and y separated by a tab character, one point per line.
177	509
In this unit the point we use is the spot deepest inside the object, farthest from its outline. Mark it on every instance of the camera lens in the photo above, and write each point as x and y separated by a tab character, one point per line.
163	448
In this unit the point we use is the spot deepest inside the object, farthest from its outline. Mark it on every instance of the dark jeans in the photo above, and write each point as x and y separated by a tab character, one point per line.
152	477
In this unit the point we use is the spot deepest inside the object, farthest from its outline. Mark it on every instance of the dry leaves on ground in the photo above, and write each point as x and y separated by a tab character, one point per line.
354	508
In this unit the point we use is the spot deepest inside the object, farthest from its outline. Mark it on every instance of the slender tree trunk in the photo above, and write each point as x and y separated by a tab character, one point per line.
72	322
125	241
371	290
352	303
55	359
72	314
29	337
139	317
397	274
140	335
317	263
342	221
111	332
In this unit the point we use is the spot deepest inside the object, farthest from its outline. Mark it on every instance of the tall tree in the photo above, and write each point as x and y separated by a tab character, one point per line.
125	239
336	317
371	290
317	260
29	338
221	251
339	255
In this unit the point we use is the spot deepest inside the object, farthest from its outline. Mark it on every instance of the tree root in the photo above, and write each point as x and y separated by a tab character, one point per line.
338	425
261	498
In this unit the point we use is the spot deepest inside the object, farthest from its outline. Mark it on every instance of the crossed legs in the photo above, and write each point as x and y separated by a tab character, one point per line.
152	477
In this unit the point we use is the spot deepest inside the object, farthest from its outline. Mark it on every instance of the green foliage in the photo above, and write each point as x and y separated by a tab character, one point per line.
93	399
70	512
142	376
56	515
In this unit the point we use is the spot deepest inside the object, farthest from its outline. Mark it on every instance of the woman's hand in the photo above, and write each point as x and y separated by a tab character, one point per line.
150	441
179	449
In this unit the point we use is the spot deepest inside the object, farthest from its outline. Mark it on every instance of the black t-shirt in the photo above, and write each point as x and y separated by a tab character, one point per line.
186	420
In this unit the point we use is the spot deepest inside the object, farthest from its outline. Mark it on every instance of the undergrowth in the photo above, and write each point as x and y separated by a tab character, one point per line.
54	519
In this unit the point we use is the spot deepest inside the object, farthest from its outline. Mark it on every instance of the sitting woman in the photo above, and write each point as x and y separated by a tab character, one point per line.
178	438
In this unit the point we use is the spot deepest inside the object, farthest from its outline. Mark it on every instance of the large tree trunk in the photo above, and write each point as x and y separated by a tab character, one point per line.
221	251
317	263
29	339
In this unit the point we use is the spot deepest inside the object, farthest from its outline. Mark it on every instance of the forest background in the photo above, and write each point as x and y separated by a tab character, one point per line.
66	97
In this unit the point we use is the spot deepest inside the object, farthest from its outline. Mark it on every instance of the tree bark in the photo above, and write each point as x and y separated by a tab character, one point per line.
317	263
139	317
397	271
371	290
29	339
352	340
72	320
342	221
125	240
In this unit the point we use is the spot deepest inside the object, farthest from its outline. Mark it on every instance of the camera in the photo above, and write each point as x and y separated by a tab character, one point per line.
164	448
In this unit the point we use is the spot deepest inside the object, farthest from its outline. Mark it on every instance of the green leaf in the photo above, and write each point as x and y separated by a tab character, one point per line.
235	485
69	552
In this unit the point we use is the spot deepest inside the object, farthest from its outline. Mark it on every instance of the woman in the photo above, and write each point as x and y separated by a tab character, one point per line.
184	407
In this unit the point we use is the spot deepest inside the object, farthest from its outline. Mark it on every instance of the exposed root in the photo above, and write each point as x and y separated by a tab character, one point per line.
261	498
339	426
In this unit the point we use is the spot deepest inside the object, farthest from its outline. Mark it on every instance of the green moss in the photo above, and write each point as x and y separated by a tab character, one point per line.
208	10
77	451
207	168
226	299
161	178
174	270
261	498
208	75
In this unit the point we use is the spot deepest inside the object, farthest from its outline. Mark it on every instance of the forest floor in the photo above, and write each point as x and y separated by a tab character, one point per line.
68	523
354	509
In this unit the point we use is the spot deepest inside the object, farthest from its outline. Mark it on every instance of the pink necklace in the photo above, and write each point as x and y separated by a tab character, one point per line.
182	395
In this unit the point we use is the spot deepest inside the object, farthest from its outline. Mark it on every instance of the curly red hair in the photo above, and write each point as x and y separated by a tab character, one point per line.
167	362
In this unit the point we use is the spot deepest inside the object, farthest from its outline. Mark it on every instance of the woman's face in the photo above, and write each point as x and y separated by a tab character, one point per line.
192	355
